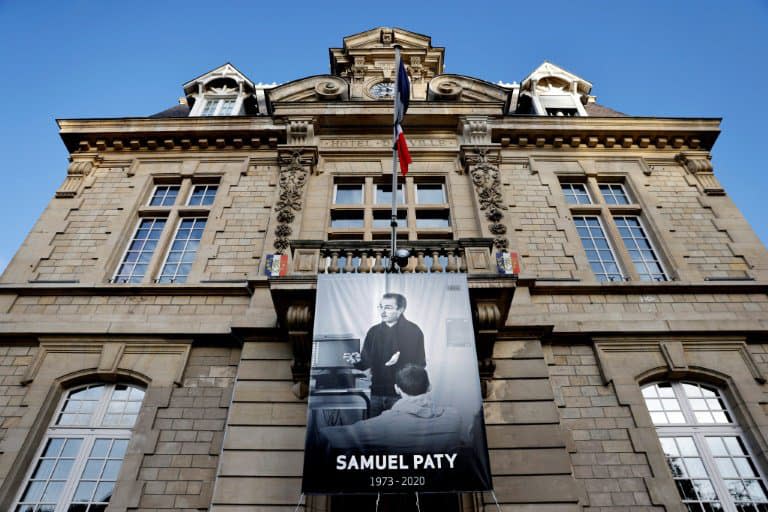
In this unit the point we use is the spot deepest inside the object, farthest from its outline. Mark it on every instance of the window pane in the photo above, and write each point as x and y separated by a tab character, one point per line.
227	106
164	195
382	219
187	240
575	193
347	219
384	194
614	193
644	258
430	193
210	107
433	219
349	194
690	475
202	195
79	406
603	262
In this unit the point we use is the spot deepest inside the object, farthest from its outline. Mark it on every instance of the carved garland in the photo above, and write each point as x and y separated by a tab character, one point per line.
293	176
487	180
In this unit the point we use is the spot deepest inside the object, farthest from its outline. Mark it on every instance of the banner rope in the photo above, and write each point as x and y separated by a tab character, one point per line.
301	498
417	502
493	493
378	496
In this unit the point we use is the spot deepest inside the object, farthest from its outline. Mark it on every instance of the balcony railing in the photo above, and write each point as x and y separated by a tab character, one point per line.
363	257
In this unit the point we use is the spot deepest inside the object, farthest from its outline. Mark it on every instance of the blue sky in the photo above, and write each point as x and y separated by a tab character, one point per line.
76	58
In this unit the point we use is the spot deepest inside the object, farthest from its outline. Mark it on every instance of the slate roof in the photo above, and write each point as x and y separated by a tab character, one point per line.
174	111
597	110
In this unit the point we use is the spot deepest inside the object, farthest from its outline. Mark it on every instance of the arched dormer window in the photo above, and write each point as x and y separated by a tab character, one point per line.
224	91
76	467
705	448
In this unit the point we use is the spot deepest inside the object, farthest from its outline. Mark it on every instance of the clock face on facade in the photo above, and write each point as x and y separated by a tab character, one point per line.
383	89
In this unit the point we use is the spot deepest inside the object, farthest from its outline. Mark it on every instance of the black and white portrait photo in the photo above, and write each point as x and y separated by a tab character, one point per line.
394	403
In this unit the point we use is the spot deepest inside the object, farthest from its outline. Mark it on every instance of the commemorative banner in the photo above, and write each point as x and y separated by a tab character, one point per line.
394	394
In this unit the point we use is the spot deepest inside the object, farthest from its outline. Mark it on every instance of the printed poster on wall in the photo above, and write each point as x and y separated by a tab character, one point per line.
394	401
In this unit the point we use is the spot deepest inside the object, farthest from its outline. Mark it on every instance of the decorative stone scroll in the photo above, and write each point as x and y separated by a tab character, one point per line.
482	165
702	169
76	173
295	167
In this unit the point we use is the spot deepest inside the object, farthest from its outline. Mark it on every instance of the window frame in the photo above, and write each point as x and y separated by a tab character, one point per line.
579	183
180	220
649	240
372	211
173	216
88	435
616	260
627	195
154	192
699	432
192	193
220	101
121	261
607	214
335	198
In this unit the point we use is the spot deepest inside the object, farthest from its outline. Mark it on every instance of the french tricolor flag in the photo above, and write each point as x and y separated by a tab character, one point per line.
402	150
402	99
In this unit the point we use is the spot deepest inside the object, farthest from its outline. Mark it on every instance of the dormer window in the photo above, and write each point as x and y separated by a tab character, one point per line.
221	92
552	91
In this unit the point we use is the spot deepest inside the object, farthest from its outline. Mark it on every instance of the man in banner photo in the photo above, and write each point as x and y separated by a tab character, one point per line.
388	347
394	407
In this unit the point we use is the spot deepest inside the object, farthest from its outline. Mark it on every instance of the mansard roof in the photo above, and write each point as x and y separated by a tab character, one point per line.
368	56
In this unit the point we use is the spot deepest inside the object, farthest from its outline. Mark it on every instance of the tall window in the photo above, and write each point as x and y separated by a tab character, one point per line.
79	460
705	448
612	232
361	210
178	245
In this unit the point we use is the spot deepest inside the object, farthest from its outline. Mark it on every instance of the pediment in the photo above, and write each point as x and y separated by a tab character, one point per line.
465	88
385	37
226	71
311	89
551	76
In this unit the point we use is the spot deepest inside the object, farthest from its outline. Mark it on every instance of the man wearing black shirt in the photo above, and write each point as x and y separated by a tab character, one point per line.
388	347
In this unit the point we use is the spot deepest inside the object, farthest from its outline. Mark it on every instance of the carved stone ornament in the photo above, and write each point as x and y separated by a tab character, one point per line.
482	164
445	88
475	130
702	169
487	321
294	170
299	324
328	90
76	173
301	131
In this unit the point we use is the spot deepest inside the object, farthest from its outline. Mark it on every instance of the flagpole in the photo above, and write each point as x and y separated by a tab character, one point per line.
393	222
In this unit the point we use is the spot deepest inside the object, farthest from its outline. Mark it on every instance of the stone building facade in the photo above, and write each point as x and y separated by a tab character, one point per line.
147	363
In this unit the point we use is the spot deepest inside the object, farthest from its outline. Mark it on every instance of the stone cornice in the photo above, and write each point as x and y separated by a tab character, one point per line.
243	132
172	133
235	288
539	287
605	132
